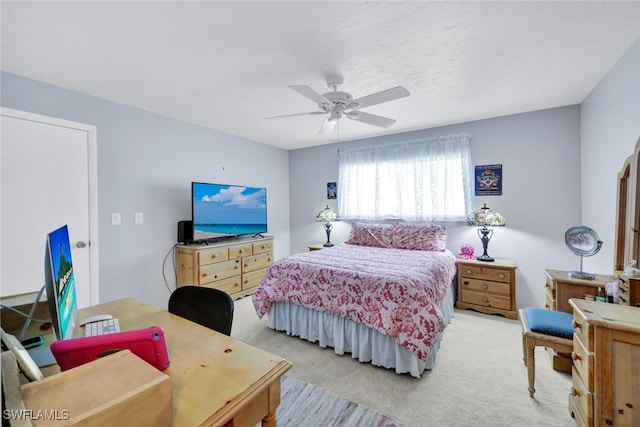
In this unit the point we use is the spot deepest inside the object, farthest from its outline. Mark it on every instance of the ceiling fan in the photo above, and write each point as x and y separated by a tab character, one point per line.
338	104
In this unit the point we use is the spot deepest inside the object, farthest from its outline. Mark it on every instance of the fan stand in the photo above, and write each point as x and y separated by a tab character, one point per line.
581	274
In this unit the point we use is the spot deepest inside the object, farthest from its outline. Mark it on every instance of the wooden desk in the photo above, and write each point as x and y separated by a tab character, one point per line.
216	380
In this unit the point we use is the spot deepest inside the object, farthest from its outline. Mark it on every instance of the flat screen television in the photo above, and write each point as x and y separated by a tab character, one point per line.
221	211
60	282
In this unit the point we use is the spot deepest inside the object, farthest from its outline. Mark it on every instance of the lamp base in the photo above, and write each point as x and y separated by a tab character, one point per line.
582	275
486	258
328	245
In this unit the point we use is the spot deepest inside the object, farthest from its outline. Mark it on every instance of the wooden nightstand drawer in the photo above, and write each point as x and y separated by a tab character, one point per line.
486	299
221	270
486	286
487	273
208	256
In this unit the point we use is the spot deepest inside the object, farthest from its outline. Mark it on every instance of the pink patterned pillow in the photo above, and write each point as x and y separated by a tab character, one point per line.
419	236
370	234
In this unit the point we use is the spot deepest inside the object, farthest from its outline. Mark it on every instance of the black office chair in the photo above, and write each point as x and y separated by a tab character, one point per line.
208	307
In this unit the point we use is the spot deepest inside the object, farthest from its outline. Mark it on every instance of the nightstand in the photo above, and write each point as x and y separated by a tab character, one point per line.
316	247
487	287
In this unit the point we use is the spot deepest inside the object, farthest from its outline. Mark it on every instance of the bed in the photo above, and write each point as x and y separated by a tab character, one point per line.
385	296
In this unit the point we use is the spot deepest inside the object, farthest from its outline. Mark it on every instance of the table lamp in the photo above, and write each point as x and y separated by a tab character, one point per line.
485	217
327	216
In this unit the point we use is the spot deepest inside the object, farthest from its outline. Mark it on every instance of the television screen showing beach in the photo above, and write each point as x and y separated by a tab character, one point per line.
228	210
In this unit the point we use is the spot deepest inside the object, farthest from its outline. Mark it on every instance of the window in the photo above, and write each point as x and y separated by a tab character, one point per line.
424	180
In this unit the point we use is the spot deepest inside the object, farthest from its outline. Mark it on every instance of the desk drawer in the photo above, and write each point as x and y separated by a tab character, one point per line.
486	299
583	330
222	270
582	397
256	262
230	285
574	411
582	361
486	286
208	256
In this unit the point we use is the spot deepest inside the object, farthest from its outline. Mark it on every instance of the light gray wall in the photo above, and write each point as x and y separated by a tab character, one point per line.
146	163
610	128
540	154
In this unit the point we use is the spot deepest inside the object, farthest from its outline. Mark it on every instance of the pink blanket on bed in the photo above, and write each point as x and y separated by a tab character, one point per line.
395	291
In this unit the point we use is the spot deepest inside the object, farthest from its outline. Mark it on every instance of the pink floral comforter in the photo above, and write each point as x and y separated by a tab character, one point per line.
395	291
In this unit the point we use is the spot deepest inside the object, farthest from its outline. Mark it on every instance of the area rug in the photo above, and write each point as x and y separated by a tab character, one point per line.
304	404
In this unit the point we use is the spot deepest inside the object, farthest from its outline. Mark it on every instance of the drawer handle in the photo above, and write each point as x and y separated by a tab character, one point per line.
485	299
485	286
205	274
574	392
501	275
466	283
240	251
468	271
214	256
576	325
575	356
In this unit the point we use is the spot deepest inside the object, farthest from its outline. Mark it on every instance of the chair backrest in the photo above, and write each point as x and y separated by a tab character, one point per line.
208	307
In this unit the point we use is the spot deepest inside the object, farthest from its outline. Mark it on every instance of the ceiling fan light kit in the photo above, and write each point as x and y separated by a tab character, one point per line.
338	104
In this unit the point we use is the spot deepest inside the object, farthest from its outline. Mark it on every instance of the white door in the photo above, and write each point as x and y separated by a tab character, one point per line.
48	179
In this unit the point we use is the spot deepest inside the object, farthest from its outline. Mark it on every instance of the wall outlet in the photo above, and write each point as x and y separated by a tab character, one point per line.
139	218
115	219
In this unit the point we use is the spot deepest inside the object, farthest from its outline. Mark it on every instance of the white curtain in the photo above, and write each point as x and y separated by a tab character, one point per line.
422	180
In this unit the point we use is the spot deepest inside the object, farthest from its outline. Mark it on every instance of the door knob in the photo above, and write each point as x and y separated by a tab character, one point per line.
81	244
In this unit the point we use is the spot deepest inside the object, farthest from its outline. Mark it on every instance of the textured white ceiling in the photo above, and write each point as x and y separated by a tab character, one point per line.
227	65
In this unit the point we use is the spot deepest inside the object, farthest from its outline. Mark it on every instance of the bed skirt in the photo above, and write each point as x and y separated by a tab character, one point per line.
346	336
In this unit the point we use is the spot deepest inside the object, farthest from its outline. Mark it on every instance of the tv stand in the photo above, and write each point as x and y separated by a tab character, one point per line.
258	235
234	265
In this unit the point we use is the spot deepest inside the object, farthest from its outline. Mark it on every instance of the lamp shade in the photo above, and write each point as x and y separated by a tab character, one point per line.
485	216
326	215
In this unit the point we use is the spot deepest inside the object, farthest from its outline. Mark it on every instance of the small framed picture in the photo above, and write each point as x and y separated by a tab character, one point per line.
332	190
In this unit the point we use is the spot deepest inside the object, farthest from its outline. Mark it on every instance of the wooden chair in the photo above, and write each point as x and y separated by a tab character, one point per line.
208	307
546	328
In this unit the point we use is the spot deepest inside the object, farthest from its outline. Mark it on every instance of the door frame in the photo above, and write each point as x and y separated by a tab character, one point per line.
92	163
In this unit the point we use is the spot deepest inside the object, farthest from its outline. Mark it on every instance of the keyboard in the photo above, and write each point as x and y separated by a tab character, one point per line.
103	327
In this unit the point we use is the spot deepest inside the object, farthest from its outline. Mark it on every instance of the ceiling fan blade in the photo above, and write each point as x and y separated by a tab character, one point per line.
327	126
307	92
310	113
382	96
371	119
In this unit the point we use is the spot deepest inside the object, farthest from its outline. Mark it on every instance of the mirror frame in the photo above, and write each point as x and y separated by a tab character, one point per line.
627	241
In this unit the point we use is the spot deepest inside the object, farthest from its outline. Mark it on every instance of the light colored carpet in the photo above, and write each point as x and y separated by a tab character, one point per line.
479	378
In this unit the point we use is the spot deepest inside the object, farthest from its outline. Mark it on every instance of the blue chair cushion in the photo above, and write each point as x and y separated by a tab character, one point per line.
549	322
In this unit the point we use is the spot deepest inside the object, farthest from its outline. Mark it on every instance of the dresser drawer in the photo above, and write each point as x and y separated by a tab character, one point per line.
486	299
208	256
262	247
582	362
221	270
237	251
486	273
256	262
251	279
582	398
230	285
486	286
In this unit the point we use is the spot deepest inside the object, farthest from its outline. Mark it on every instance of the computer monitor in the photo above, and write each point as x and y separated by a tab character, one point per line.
60	282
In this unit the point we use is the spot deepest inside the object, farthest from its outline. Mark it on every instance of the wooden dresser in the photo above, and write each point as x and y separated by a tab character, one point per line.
560	287
606	364
234	266
488	287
